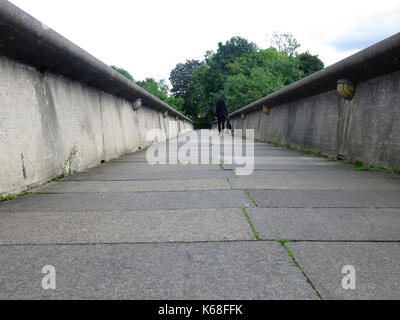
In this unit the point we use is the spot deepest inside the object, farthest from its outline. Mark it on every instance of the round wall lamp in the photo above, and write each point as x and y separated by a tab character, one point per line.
266	110
165	114
137	104
346	88
243	115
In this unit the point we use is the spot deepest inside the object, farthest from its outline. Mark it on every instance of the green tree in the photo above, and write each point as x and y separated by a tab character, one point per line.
309	63
208	80
241	73
160	90
240	90
285	42
152	86
181	77
227	53
257	75
278	63
122	71
176	103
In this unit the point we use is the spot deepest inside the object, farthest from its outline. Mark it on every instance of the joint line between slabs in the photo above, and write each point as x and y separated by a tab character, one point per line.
251	225
251	197
296	263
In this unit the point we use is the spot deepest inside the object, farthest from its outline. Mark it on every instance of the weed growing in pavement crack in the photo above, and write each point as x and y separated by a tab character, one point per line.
251	197
251	224
290	253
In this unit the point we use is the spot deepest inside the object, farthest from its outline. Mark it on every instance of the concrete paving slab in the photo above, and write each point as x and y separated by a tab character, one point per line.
326	224
276	153
70	202
132	176
257	148
141	157
269	148
265	169
297	180
100	232
143	160
164	151
223	270
136	159
293	161
326	198
290	159
131	167
263	162
342	172
124	227
262	146
134	186
377	267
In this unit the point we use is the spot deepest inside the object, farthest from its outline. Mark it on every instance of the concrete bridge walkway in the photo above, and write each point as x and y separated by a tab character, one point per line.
128	230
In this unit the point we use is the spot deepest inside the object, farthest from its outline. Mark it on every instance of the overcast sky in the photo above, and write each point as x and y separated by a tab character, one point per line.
149	37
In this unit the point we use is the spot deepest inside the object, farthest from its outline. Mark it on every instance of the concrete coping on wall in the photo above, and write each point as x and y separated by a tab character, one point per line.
25	39
376	60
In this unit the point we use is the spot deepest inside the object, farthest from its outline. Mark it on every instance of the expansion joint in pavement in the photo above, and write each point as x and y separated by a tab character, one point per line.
290	253
251	224
283	243
122	243
251	197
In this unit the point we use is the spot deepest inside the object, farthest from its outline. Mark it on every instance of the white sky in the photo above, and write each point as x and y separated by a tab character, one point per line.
149	37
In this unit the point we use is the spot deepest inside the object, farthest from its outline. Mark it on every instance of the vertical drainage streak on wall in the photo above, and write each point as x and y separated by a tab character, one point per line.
49	120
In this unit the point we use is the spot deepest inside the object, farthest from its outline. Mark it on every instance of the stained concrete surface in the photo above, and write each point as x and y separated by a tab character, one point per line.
376	265
300	198
327	224
125	231
136	185
223	270
124	226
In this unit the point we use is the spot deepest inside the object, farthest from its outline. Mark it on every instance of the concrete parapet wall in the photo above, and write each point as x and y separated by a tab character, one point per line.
62	110
51	125
311	114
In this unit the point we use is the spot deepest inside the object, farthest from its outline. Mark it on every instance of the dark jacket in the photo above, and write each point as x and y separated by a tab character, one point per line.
221	111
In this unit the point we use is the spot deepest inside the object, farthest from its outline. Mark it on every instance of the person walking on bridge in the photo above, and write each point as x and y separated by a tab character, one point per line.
221	114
